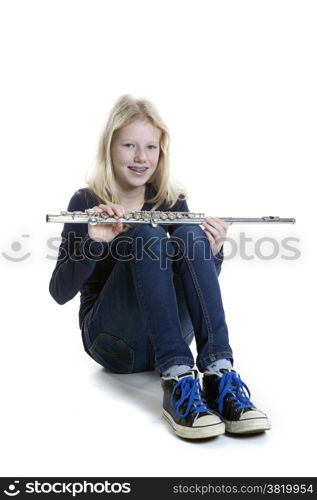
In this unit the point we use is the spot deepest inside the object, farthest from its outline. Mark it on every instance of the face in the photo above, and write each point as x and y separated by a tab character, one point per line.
135	153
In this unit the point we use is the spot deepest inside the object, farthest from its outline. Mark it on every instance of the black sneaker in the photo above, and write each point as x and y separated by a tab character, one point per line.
226	395
185	408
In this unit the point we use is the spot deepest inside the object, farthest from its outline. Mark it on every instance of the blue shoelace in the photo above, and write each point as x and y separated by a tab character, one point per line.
230	383
189	389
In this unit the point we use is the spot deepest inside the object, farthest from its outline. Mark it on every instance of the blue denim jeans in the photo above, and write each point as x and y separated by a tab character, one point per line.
162	292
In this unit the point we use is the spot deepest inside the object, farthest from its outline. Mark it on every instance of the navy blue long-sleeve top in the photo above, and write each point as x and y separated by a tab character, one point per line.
83	264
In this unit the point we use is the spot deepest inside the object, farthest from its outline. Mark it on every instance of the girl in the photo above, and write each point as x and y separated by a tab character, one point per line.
147	291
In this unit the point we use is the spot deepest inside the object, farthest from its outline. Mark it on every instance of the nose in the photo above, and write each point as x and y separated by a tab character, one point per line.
140	155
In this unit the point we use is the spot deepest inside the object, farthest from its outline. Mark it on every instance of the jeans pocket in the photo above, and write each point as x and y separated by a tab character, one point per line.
113	353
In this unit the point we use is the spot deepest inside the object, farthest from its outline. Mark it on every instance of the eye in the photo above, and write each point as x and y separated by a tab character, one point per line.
129	144
152	146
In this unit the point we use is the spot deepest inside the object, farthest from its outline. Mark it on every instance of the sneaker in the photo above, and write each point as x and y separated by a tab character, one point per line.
226	396
185	408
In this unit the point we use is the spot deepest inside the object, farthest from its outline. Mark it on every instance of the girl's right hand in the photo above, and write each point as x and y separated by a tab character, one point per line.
107	232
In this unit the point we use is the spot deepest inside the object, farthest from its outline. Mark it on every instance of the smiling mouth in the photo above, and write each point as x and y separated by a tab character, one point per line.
138	169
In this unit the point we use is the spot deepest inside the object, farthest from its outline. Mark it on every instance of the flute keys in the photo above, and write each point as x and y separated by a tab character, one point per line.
89	211
93	221
152	217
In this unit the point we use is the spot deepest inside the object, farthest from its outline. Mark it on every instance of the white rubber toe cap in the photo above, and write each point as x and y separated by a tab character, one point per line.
206	420
253	414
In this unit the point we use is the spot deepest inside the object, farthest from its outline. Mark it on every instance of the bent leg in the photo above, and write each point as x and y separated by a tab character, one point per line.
135	324
194	261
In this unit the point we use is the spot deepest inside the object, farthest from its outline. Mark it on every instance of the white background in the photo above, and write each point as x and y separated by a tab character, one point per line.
235	81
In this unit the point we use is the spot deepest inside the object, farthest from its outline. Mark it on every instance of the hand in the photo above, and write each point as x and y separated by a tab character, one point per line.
216	232
107	232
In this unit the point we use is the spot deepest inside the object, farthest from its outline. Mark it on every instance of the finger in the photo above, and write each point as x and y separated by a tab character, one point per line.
211	229
213	243
222	222
113	209
217	238
120	207
214	222
107	209
117	227
213	239
97	209
220	230
118	210
209	236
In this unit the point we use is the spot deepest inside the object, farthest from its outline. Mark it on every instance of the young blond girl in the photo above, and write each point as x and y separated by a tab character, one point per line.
146	292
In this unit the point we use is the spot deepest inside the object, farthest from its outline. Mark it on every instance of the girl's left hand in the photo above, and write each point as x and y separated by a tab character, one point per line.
216	232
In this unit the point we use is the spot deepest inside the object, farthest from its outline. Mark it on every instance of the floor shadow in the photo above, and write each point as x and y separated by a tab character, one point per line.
141	389
144	390
252	435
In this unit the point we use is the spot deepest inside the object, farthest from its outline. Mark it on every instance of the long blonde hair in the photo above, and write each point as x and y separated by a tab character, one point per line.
101	182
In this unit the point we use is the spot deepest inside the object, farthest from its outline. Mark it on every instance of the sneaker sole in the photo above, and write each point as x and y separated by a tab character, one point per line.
195	432
251	426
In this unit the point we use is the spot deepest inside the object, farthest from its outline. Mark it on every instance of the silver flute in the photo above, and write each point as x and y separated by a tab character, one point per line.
90	216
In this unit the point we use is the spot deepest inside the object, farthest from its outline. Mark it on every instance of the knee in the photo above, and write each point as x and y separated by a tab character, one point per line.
188	229
190	237
148	231
125	245
152	239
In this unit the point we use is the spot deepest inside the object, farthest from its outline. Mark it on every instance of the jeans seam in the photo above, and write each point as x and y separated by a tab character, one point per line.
95	348
214	357
139	291
179	358
136	274
111	354
201	301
